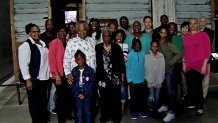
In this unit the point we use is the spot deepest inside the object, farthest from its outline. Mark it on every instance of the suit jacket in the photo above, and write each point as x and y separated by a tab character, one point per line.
210	33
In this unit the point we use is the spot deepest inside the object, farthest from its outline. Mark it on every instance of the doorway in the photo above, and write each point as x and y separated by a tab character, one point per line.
65	11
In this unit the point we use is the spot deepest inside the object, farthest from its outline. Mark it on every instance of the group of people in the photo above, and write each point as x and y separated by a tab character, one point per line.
93	67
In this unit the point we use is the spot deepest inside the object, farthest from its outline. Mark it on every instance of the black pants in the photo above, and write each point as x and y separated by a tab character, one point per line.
110	103
195	91
37	101
64	100
138	99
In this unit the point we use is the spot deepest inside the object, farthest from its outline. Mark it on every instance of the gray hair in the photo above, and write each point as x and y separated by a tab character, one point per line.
80	23
106	29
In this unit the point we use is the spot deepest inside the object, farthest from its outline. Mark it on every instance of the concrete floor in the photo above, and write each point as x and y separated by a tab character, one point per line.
11	112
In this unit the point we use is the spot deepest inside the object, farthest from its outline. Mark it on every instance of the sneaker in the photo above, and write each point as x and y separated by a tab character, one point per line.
191	107
134	116
143	114
53	111
169	117
162	109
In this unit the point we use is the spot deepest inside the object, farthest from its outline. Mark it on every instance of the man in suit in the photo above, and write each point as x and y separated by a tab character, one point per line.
210	33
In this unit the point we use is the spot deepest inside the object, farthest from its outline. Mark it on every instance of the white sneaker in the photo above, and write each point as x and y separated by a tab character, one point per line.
162	109
191	107
169	117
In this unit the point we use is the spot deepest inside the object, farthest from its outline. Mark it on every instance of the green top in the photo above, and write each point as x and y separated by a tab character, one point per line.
171	55
177	41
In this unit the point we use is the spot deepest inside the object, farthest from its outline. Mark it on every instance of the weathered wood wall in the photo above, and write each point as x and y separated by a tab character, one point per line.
29	11
114	9
187	9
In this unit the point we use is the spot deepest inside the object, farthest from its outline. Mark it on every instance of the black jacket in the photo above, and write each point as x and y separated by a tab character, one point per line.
117	59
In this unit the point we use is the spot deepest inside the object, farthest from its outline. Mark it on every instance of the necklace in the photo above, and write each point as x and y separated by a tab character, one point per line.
107	48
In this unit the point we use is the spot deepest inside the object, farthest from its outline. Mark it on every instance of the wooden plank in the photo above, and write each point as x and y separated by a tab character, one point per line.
23	23
117	1
29	1
118	14
192	14
31	6
193	8
31	11
117	7
192	2
30	16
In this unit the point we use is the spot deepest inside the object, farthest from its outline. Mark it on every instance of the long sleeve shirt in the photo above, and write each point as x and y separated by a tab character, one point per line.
56	56
135	67
145	40
24	54
87	46
154	69
196	50
177	41
171	55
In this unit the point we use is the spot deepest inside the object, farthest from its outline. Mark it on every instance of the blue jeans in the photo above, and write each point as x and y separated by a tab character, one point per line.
83	106
153	97
170	90
123	95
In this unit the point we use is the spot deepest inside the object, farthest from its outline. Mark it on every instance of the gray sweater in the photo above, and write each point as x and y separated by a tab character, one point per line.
154	69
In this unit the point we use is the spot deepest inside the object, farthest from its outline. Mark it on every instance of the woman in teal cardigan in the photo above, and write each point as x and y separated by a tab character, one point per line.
137	33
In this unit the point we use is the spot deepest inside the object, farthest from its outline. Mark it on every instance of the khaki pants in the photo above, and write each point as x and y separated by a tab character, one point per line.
205	83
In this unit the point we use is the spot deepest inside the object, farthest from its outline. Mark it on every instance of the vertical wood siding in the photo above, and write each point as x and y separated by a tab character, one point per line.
114	9
187	9
29	11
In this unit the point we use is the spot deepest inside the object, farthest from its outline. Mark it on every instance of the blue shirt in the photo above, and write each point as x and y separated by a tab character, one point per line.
135	67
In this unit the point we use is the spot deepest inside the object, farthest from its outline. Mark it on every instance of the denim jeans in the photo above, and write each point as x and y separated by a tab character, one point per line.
153	97
123	95
83	106
52	97
170	90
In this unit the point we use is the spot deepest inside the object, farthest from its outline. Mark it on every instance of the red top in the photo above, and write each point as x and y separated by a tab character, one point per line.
56	56
196	50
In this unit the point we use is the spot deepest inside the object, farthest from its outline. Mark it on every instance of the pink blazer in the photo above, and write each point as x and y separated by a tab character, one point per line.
56	56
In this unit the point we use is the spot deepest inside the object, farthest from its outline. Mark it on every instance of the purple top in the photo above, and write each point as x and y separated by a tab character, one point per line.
196	50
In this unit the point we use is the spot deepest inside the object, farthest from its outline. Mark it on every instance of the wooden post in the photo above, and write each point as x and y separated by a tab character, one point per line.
49	10
14	46
212	4
83	9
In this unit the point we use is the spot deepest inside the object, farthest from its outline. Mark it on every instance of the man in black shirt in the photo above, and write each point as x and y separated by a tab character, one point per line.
49	33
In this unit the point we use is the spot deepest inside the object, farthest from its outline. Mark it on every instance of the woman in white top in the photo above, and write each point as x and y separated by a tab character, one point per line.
33	62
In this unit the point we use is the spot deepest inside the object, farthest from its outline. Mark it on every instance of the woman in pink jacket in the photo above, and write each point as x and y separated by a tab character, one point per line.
63	90
195	57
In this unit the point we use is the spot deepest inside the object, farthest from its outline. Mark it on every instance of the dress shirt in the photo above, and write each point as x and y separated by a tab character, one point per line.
24	54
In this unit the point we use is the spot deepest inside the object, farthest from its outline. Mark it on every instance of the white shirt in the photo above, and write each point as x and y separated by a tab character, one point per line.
100	40
87	46
124	48
24	54
81	77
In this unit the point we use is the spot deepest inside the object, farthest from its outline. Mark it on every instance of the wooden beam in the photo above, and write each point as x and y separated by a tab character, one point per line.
14	47
212	4
83	9
49	10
